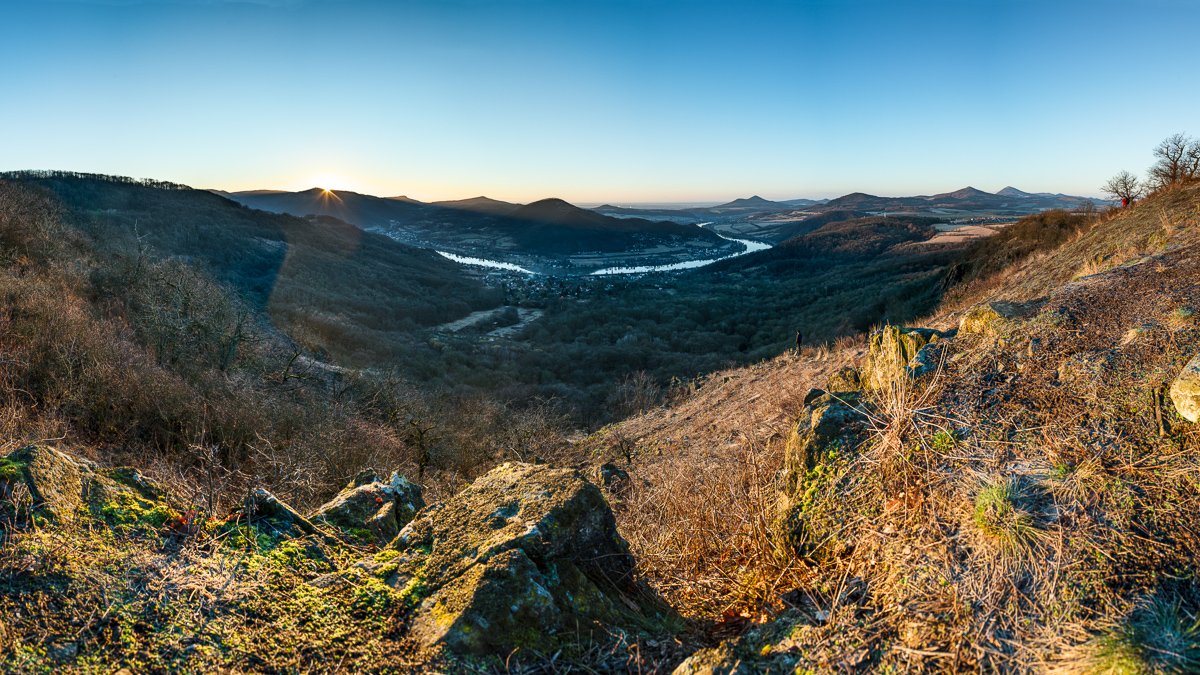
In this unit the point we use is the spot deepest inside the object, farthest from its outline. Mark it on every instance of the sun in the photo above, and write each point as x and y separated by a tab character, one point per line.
328	182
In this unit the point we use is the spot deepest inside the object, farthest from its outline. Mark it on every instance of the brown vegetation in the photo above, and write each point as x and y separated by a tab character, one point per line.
1006	513
131	357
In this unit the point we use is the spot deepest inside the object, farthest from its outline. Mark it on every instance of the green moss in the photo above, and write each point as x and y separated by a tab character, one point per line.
10	468
124	509
414	592
386	555
371	595
360	535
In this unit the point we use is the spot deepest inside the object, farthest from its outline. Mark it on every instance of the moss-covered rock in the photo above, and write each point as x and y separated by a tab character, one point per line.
527	556
53	481
60	487
372	507
897	352
846	379
830	429
829	422
1185	391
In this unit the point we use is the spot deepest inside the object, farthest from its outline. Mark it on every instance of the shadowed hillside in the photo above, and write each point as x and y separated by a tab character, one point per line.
326	282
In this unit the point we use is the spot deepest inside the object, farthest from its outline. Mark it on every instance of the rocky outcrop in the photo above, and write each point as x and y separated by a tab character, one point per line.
829	422
1185	391
897	352
526	557
831	425
613	479
40	482
372	510
995	318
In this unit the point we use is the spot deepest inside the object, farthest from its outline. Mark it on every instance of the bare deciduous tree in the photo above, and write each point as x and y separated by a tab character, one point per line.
1177	159
1124	186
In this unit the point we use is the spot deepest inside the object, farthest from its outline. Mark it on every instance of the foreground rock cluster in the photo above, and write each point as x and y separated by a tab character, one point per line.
526	558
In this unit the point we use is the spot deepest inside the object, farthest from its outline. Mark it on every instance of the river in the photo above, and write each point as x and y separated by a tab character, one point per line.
482	262
750	247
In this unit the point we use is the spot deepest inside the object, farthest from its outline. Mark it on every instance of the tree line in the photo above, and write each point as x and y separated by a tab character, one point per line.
33	174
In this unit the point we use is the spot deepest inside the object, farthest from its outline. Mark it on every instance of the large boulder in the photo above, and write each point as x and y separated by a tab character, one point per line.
896	352
1185	391
528	557
372	510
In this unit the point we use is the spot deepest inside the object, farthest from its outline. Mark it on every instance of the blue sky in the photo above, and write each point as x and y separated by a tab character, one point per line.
622	101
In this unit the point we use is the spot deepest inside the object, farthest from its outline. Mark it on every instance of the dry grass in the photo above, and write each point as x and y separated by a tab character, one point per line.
1000	516
701	512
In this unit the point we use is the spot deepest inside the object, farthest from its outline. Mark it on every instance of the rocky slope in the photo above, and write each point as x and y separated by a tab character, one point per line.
1011	487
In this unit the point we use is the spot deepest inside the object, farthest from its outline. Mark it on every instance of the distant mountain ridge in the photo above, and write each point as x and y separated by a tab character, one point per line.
1008	200
550	229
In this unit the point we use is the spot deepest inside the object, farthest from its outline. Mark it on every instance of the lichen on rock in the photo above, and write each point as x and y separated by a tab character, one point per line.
996	318
897	352
830	427
845	379
54	481
527	556
1185	391
373	507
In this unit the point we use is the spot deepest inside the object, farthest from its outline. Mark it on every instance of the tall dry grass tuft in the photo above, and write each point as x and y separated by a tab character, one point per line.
703	529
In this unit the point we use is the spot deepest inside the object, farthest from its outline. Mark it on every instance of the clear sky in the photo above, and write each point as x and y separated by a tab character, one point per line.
622	101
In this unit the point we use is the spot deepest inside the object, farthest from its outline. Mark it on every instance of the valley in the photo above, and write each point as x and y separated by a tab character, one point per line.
567	326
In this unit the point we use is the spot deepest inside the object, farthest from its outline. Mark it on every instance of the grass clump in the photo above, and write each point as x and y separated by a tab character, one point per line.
1160	637
1183	317
1001	514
